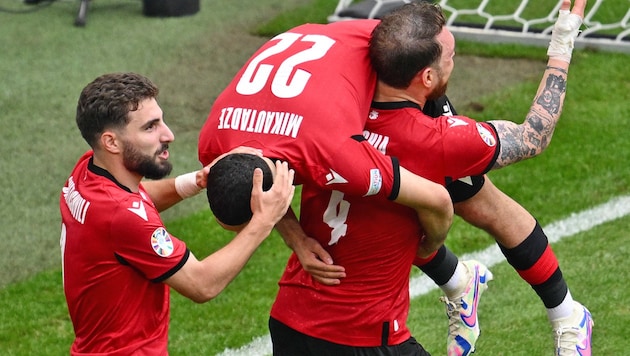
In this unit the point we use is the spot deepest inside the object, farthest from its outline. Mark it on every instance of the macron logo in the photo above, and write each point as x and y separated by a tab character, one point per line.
137	207
452	122
467	180
334	178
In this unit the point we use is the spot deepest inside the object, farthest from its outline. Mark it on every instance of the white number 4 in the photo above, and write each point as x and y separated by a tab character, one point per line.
336	215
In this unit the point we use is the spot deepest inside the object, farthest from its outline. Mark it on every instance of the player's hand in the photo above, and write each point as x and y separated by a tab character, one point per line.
318	263
272	205
566	30
202	174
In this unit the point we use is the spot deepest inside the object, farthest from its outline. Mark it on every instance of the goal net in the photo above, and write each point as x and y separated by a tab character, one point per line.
606	23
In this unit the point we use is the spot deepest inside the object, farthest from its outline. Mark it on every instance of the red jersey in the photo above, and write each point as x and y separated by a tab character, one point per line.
441	149
376	241
115	253
303	98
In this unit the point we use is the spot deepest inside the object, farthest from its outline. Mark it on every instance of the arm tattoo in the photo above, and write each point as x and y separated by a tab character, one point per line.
562	70
549	99
519	142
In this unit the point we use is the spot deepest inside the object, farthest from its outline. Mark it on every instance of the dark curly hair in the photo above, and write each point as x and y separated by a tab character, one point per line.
106	102
405	42
230	183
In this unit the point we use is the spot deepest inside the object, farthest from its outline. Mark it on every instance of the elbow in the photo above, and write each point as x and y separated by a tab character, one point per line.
200	293
204	296
209	292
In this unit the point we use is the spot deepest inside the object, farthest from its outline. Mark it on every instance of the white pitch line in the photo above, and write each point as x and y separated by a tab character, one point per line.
574	224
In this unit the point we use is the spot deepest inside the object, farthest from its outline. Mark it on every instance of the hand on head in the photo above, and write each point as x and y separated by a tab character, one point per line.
273	204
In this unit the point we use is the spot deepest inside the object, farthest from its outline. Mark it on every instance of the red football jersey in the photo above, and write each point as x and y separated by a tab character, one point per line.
376	240
115	253
441	149
301	98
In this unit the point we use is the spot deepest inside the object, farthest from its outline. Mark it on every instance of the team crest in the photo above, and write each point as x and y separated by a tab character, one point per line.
161	242
486	135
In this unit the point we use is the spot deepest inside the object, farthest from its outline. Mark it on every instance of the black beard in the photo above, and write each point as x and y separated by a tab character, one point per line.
437	92
146	165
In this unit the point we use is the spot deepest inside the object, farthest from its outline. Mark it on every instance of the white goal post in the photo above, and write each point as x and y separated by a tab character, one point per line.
475	21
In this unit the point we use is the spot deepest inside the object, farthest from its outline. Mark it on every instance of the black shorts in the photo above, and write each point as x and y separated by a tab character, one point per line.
289	342
465	188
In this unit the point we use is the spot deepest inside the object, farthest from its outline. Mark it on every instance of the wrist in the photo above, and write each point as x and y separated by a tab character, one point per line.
186	185
563	36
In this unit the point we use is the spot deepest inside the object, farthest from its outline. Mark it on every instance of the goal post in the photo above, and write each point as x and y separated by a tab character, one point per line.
529	22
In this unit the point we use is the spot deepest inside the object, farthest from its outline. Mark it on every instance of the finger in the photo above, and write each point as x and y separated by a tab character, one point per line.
316	266
284	176
257	181
202	177
323	255
566	5
579	7
327	281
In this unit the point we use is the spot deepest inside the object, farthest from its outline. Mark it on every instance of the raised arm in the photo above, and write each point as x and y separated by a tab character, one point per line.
530	138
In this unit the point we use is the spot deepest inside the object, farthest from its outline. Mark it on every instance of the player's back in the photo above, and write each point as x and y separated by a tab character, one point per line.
298	97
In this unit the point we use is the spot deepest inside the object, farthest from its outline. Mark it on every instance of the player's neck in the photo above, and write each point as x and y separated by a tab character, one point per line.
117	169
385	93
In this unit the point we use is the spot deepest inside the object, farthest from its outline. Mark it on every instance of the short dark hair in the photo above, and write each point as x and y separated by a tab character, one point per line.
230	183
405	42
106	102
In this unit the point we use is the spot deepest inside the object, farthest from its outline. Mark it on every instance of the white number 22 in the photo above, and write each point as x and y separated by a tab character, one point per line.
288	81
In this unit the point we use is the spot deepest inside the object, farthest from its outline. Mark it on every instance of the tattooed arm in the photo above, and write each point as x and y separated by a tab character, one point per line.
526	140
519	142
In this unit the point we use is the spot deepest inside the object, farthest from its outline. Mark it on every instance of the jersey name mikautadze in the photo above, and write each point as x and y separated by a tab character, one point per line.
266	122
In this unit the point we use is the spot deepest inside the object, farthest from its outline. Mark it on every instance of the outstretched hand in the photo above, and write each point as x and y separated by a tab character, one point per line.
566	30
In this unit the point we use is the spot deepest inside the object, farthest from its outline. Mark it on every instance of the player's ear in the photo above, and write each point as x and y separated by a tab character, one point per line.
109	142
429	76
425	77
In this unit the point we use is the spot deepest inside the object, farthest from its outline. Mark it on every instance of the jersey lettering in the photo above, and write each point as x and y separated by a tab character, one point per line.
62	245
378	141
289	81
77	205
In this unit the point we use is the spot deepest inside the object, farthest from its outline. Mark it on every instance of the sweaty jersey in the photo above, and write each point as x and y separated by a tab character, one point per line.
303	97
115	254
376	241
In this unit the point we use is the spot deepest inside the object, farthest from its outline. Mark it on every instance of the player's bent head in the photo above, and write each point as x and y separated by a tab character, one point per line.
229	188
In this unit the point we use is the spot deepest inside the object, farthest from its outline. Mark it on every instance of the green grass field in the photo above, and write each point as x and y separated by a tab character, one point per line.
46	61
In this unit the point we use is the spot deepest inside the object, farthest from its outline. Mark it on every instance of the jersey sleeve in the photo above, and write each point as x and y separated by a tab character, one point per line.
469	147
142	241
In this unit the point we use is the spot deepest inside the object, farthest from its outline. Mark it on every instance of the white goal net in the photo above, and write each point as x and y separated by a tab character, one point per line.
606	23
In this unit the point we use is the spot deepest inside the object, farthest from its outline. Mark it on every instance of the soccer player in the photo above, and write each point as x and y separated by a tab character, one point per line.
315	122
397	125
118	259
336	212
